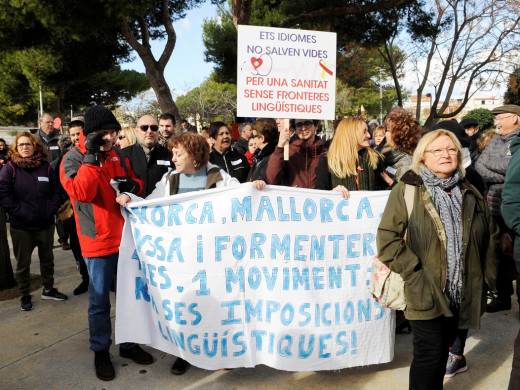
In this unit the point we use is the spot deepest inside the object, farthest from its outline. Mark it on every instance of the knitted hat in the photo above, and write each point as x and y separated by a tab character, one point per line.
456	129
100	118
469	122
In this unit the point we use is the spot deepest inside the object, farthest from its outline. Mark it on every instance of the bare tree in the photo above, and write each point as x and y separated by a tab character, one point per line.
473	51
210	101
394	58
145	103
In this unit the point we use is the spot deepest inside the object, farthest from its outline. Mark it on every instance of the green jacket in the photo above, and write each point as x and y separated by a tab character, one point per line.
510	206
421	260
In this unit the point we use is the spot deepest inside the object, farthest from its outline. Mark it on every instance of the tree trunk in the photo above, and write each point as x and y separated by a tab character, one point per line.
6	270
155	68
241	10
155	76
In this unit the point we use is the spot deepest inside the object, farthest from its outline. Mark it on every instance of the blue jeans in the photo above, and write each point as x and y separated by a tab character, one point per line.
101	271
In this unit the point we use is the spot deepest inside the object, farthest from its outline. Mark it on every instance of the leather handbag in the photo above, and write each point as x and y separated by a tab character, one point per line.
386	286
67	211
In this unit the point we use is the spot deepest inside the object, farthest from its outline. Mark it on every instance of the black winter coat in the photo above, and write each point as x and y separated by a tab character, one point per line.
235	164
51	142
29	196
260	160
152	171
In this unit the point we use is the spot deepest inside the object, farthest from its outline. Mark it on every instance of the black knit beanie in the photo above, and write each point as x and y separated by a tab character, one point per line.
456	129
100	118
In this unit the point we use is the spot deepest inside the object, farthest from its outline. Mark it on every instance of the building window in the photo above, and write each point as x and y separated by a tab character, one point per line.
483	102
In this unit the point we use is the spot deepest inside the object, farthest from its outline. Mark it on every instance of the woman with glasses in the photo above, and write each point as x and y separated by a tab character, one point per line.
351	164
126	137
403	132
28	193
304	152
445	252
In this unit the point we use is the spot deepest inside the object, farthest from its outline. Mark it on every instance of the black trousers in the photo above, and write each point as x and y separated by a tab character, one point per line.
506	264
460	342
431	344
70	227
514	379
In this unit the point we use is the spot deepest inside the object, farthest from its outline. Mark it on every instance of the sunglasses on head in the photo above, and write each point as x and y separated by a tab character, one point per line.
152	127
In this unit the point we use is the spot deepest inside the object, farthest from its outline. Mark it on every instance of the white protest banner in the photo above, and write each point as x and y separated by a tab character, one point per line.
286	73
236	277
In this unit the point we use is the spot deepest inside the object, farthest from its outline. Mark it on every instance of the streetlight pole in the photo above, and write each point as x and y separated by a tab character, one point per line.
380	98
41	102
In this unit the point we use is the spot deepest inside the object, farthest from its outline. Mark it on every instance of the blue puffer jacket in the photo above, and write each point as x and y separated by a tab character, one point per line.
29	196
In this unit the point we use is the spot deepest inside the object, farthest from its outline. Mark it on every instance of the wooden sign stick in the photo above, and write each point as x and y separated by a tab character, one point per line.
286	145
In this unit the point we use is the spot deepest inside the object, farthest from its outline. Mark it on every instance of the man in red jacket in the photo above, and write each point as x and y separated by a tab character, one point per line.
85	173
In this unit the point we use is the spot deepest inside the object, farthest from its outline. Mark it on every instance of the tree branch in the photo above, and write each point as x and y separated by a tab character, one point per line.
342	11
170	32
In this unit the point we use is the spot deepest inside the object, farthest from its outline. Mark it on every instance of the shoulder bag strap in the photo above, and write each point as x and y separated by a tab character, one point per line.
409	192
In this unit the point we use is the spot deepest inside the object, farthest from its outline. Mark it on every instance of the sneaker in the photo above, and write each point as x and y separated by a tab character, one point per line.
137	354
82	288
25	303
498	305
179	367
54	294
65	246
455	366
103	365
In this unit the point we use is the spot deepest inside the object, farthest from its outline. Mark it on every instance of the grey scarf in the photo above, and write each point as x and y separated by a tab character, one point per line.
449	208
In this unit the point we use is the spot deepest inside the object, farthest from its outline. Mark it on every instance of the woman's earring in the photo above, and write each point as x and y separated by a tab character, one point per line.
195	165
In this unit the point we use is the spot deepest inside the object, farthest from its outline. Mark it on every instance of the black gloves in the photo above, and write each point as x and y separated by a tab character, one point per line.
93	144
127	184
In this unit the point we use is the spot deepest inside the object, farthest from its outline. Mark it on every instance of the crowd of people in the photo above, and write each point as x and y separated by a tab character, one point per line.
456	251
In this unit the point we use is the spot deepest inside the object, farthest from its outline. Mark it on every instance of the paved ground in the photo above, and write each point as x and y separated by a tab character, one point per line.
47	348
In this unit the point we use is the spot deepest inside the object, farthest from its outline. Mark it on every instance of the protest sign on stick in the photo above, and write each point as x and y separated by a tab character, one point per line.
236	277
286	73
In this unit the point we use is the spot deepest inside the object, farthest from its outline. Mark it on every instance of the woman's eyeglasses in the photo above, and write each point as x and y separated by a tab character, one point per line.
440	152
152	127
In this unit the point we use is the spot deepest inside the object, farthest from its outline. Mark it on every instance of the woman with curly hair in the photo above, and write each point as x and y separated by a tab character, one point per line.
403	132
350	163
192	172
29	194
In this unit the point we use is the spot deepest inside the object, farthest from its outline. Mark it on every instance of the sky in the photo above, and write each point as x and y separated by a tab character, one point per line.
186	68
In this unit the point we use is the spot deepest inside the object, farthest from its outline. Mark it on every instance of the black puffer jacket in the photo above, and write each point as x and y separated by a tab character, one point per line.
30	196
260	161
234	163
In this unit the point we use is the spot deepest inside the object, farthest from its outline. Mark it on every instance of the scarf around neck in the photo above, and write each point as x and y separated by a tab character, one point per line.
449	208
30	162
